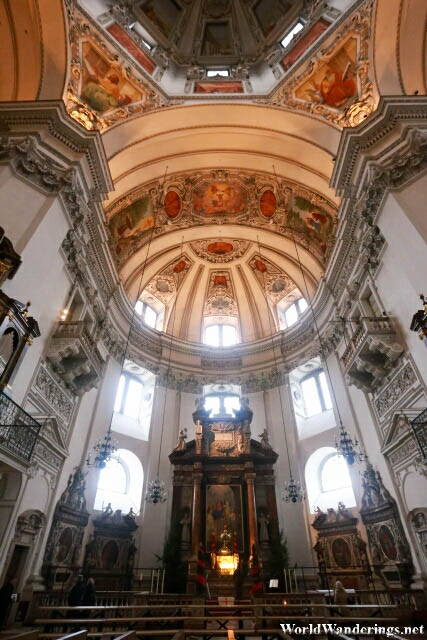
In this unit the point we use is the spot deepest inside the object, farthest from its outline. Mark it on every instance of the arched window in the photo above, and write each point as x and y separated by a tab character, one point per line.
147	313
120	483
315	393
134	402
289	315
220	335
328	480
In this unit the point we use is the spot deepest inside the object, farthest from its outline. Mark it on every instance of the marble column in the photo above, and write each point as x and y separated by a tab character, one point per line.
252	521
197	505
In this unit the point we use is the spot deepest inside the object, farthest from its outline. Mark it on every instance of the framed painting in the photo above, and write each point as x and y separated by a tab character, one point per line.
341	552
223	509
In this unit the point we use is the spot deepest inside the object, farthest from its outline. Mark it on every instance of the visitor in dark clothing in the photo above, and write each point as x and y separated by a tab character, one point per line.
89	598
5	601
89	595
75	596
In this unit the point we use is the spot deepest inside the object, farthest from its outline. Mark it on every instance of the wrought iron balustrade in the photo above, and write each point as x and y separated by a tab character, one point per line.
18	430
419	427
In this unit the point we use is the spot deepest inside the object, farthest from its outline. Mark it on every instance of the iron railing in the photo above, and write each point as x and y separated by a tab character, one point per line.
18	430
419	427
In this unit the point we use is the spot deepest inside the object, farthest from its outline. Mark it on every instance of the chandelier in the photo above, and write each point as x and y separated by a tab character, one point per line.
103	451
156	491
293	491
344	444
348	449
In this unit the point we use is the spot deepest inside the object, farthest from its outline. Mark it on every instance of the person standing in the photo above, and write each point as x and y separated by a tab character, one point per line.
89	594
5	601
76	595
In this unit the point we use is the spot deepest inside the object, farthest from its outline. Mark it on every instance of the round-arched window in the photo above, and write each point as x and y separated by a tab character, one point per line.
328	480
120	483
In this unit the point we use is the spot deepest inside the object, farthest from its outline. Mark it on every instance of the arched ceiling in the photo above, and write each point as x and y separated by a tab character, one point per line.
266	154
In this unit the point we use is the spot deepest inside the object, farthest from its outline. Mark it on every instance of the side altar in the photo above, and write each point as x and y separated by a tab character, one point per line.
224	497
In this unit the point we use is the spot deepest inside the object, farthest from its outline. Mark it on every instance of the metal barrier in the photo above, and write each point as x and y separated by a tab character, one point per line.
18	430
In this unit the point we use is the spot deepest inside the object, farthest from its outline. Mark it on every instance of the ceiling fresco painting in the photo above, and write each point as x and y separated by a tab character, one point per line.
312	220
118	71
272	279
268	203
131	223
334	82
336	85
218	87
219	197
222	197
103	87
172	204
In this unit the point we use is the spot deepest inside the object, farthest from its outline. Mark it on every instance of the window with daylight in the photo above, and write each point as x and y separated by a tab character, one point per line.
315	392
290	315
213	73
222	404
134	402
291	33
328	480
120	483
147	313
220	335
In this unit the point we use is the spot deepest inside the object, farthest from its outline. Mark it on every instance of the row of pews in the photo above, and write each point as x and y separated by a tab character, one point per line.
209	620
76	635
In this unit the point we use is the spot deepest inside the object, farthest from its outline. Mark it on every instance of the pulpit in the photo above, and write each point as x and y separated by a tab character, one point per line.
224	495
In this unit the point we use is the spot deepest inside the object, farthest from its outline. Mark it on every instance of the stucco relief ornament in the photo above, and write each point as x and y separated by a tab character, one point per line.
220	250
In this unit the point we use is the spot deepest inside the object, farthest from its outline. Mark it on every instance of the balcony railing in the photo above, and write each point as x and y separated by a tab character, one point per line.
18	430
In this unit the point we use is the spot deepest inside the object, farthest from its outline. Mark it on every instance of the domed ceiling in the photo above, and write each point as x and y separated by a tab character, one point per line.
221	243
221	201
197	49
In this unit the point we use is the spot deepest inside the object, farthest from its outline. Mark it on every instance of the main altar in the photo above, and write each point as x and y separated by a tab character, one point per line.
224	498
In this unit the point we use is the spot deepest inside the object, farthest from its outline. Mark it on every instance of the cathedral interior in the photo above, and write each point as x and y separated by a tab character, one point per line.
213	332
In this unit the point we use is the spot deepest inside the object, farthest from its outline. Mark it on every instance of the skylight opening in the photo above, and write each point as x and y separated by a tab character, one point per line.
213	73
290	34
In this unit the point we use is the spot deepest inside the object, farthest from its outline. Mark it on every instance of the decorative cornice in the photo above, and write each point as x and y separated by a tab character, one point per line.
53	115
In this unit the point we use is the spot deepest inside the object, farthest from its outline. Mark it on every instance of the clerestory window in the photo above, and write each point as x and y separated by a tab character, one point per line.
147	313
291	34
316	394
220	335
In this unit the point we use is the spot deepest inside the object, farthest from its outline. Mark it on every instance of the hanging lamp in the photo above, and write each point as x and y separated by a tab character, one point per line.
346	447
293	490
104	450
156	489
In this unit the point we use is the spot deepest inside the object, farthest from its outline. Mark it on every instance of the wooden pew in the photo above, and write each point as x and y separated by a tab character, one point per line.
33	634
77	635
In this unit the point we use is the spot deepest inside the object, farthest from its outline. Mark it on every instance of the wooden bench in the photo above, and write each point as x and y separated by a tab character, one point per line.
32	634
